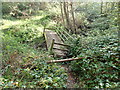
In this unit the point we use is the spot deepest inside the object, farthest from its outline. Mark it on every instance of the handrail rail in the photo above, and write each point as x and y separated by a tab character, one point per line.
61	44
60	36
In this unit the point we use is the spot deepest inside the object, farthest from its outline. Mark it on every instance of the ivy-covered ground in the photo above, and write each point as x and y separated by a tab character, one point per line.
100	44
24	56
24	53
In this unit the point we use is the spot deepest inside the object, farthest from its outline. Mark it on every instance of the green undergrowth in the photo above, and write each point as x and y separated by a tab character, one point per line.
24	57
100	66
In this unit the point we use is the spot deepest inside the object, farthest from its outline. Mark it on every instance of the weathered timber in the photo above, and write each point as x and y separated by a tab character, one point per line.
51	47
50	28
59	33
69	59
65	60
62	44
60	49
49	37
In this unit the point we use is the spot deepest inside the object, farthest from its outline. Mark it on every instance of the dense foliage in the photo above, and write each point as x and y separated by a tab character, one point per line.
90	30
101	68
25	56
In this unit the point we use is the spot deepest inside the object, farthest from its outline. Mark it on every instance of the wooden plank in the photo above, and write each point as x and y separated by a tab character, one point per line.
62	44
60	49
49	36
66	60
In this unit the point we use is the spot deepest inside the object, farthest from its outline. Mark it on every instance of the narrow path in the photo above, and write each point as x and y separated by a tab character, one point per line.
70	80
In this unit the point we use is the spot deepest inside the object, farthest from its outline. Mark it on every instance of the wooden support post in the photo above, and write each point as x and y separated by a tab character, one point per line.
51	47
43	30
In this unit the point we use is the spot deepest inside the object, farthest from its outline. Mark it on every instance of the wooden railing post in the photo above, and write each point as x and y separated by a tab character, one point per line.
51	47
43	31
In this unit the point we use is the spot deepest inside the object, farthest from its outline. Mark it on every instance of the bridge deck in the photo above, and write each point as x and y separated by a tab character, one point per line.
58	50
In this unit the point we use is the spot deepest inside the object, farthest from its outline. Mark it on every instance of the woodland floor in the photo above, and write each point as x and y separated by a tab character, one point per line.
71	81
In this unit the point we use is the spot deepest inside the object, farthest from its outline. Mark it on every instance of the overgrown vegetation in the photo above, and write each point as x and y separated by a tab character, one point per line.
91	30
101	70
25	56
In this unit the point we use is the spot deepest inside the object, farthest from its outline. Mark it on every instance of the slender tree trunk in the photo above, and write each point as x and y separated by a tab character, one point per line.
119	22
74	27
66	17
106	7
86	6
101	7
61	6
67	9
112	6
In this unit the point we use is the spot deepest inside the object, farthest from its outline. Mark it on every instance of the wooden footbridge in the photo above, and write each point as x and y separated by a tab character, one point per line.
55	44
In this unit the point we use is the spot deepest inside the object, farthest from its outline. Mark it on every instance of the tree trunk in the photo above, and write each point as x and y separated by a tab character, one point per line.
67	9
62	14
66	17
86	7
101	7
106	7
112	6
119	23
74	27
